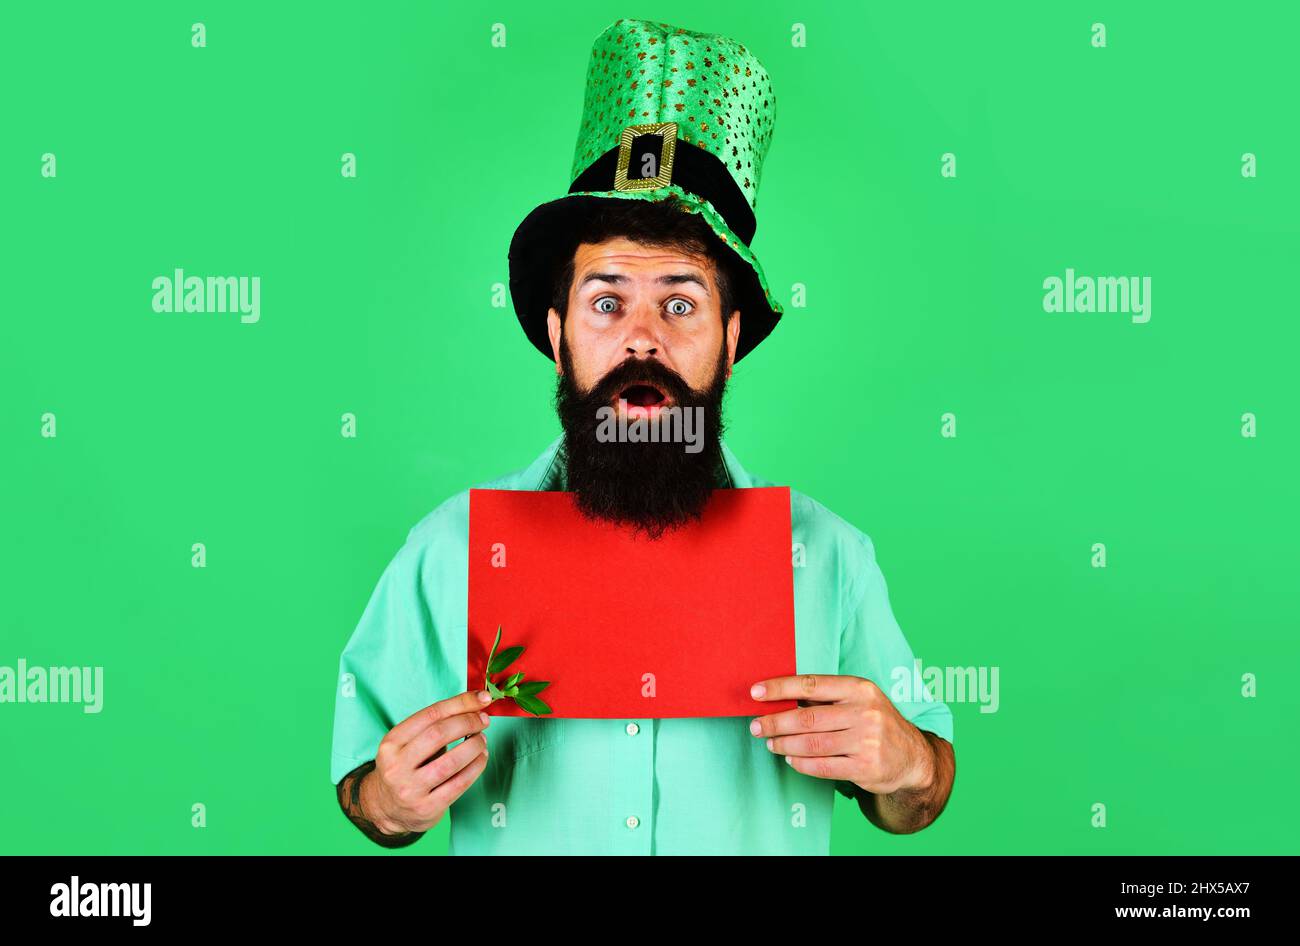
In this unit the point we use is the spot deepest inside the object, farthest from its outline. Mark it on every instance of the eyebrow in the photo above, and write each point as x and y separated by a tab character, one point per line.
671	279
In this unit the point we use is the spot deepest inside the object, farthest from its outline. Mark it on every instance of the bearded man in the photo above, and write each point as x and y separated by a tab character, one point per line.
640	286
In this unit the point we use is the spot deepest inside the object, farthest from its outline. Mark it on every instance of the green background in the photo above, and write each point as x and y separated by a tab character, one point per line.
1118	685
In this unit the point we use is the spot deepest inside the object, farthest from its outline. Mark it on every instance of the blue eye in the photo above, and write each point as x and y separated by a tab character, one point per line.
609	299
681	302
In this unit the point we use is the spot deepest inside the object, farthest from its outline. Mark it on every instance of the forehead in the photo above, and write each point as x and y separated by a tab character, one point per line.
637	261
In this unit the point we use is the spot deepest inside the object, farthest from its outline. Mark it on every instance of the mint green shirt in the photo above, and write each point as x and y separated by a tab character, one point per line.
619	786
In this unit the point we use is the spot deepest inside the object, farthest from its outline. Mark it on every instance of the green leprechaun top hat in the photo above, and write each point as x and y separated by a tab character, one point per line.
667	111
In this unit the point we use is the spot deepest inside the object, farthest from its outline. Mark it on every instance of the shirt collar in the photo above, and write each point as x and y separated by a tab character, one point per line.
547	472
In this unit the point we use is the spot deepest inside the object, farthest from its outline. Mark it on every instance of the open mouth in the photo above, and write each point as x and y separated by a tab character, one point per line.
644	396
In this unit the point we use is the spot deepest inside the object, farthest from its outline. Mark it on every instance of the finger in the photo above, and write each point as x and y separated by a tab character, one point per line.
409	728
434	773
458	784
448	767
837	767
821	718
824	687
811	744
441	734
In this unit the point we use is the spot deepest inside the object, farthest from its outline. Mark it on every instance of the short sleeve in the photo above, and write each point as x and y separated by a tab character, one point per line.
873	646
391	667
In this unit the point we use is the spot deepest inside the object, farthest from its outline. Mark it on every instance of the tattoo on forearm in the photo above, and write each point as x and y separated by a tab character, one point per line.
349	794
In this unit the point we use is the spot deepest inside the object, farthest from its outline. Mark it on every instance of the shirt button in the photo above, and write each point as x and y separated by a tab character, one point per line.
633	729
633	821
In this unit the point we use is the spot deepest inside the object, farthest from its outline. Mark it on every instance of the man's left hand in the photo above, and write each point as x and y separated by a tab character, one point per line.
845	729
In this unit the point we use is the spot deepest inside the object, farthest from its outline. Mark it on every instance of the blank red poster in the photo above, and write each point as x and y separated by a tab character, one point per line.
626	627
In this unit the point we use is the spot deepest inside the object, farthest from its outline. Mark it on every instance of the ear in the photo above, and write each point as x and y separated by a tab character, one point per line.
553	329
733	339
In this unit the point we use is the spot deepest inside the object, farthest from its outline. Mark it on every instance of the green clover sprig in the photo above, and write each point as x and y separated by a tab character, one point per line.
514	687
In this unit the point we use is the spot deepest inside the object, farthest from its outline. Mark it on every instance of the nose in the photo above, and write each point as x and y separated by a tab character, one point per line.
643	339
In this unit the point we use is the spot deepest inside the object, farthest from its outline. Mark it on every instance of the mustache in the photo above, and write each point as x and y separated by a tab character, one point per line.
634	371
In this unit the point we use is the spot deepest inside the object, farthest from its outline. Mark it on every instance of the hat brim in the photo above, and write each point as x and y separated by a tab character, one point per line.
539	243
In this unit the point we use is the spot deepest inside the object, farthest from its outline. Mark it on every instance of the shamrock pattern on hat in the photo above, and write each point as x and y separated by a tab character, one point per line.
717	91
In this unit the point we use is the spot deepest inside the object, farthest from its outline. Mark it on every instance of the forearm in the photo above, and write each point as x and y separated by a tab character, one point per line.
351	800
908	810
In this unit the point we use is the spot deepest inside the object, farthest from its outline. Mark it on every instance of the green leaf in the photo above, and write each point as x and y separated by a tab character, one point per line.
486	682
504	659
524	694
532	704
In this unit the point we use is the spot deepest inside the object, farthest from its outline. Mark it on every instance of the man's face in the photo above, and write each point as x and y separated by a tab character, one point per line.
632	301
643	336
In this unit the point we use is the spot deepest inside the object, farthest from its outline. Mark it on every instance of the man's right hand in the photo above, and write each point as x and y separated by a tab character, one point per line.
416	777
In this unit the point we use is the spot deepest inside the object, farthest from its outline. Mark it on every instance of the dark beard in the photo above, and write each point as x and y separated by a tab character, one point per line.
651	487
